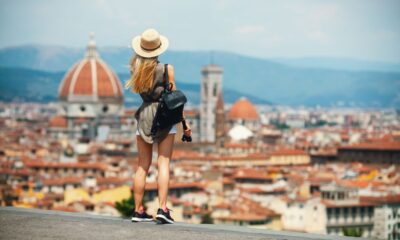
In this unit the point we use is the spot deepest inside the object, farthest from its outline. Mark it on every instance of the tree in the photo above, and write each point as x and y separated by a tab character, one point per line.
126	206
207	219
352	232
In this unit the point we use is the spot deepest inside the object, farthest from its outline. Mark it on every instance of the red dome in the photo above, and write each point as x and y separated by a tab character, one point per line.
91	77
243	109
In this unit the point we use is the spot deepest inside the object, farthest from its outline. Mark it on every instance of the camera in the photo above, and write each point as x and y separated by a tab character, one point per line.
186	138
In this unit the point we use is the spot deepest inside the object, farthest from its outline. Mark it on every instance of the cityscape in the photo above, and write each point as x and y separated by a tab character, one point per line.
293	107
304	169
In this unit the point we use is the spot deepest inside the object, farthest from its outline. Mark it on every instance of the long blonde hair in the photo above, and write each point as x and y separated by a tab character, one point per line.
142	74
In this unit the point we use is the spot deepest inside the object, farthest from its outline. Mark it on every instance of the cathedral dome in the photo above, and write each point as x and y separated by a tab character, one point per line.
243	109
91	79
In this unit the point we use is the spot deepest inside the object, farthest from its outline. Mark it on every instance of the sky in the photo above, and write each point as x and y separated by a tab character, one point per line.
358	29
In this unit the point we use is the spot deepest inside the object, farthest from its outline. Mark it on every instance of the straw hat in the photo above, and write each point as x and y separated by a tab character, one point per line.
149	44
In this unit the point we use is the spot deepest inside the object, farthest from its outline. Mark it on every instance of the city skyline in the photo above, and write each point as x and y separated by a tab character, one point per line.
292	145
325	171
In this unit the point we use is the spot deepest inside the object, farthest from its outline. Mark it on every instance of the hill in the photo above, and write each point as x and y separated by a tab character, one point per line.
276	81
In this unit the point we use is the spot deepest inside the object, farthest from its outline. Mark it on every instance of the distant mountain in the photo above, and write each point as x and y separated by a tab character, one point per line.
23	85
18	84
339	64
271	81
44	58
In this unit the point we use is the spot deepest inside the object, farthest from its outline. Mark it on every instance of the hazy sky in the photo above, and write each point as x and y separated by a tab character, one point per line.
364	29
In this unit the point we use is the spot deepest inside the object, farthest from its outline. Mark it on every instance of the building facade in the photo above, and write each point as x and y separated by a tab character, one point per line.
345	210
387	218
370	153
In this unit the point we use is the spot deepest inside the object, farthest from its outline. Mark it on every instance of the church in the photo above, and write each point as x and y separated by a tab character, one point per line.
92	102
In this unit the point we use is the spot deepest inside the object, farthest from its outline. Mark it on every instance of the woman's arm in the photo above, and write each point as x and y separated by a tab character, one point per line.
171	78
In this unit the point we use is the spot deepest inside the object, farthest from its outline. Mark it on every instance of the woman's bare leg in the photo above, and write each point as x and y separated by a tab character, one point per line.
145	151
165	148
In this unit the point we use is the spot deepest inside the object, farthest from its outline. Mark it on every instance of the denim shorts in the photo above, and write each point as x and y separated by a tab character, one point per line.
172	131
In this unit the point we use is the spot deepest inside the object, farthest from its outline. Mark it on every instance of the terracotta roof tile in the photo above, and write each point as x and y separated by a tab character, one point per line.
377	146
58	122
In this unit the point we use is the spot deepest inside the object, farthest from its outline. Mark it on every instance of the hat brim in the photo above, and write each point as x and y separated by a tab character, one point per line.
152	53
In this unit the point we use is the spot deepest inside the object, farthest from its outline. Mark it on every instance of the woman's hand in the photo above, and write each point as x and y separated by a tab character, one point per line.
187	131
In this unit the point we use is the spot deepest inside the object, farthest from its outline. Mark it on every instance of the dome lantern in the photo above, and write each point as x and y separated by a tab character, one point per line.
91	51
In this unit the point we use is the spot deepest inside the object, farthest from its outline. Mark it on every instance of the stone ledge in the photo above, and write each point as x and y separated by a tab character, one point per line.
18	223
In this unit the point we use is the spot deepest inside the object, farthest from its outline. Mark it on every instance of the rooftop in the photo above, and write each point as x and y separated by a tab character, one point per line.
18	223
376	146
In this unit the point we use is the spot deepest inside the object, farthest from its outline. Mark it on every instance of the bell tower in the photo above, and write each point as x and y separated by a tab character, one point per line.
211	87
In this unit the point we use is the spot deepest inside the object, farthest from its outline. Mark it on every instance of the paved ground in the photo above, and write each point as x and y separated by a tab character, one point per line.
39	224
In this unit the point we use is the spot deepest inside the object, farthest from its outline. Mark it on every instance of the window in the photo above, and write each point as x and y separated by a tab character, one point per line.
105	108
341	195
329	211
346	213
337	211
205	89
362	210
353	211
215	90
83	108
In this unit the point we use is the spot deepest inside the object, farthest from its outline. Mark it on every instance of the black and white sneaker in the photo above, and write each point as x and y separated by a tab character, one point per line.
164	217
141	217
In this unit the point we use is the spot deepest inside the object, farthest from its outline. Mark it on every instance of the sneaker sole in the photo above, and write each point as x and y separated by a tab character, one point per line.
163	219
135	219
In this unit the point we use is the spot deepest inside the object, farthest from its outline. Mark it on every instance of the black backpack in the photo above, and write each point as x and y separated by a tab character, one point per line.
170	107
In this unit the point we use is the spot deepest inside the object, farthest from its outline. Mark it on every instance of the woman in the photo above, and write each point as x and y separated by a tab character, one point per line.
147	80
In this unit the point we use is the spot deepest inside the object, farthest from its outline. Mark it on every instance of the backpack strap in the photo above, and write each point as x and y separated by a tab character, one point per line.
168	85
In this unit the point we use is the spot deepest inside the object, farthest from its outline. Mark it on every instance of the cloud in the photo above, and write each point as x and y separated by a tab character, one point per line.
249	29
115	12
324	13
221	4
318	36
274	39
264	36
315	22
314	15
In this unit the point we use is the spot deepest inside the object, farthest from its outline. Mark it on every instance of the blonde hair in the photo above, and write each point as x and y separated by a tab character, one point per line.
142	74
